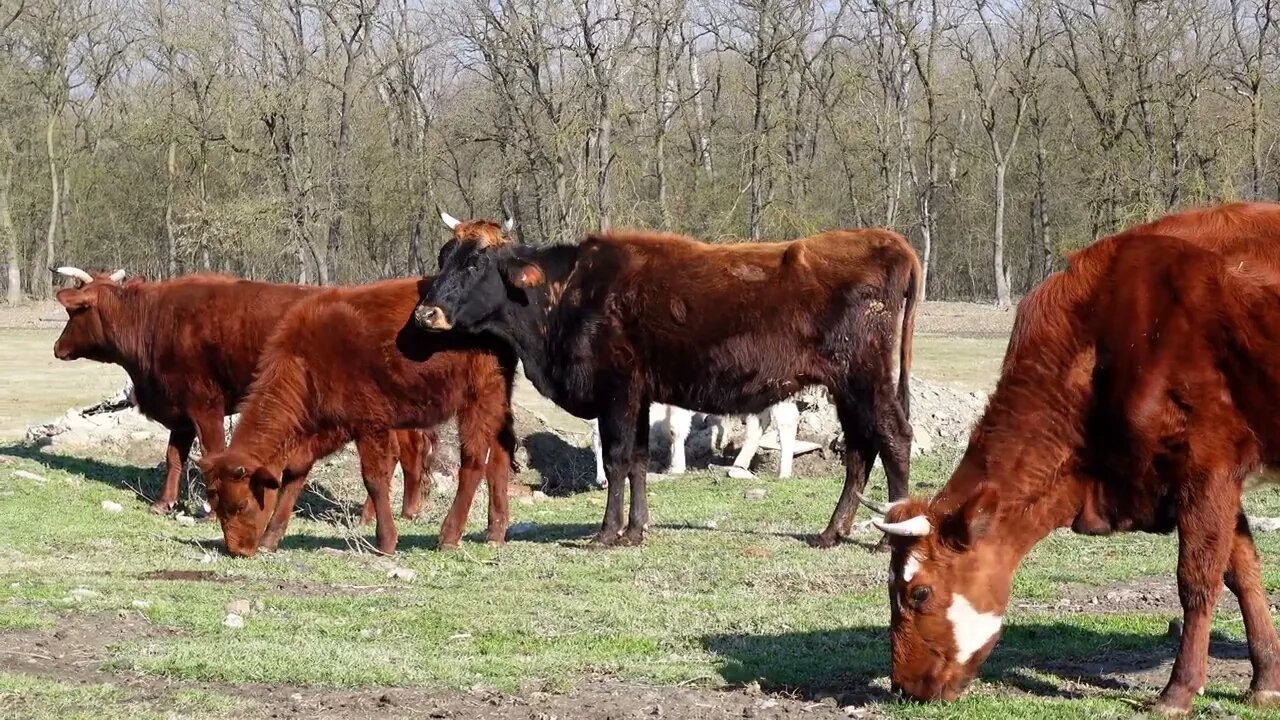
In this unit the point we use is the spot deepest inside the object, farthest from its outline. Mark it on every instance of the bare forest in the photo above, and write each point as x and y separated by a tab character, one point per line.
313	140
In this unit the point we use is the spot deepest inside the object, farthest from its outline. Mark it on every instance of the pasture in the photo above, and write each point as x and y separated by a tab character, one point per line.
726	612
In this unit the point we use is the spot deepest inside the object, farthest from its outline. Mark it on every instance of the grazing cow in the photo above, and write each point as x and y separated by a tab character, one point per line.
1136	395
628	318
349	364
190	346
677	422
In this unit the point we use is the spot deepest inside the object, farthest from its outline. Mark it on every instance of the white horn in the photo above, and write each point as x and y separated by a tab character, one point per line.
450	221
118	275
918	526
510	223
75	272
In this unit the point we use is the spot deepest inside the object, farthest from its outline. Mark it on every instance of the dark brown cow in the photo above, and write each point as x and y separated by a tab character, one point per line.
190	346
1136	394
628	318
348	364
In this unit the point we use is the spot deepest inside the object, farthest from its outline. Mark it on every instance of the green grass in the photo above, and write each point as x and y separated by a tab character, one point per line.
745	601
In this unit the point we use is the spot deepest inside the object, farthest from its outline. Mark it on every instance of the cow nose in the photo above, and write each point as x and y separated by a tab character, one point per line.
431	317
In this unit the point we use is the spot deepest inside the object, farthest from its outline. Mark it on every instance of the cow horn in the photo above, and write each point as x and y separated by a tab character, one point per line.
118	275
510	223
918	526
872	506
450	221
75	272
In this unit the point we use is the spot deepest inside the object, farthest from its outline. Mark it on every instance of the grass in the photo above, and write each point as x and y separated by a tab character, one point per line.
745	601
35	384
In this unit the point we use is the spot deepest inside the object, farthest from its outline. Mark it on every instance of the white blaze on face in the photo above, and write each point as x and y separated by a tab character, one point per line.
910	568
972	629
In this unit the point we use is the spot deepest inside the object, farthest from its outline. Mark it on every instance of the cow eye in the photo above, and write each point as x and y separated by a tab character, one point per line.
920	595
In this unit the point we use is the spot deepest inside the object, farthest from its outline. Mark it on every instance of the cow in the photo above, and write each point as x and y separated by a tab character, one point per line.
190	346
349	364
677	422
1135	395
627	318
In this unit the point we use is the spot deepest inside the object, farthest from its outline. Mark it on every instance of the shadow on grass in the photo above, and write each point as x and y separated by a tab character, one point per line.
843	663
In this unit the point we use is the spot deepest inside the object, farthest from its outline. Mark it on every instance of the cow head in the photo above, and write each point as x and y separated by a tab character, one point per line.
242	493
85	334
949	581
476	270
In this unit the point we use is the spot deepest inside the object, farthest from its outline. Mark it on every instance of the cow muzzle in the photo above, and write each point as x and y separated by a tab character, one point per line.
431	317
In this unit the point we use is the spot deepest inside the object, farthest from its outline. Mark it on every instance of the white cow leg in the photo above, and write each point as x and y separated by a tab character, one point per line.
680	421
750	445
786	418
601	481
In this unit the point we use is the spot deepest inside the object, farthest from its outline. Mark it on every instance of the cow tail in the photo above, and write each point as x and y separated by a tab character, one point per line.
908	335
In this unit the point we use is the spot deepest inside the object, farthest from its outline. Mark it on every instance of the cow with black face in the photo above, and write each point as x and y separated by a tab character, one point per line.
629	318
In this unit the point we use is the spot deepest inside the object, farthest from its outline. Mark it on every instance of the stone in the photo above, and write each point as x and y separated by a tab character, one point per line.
112	507
185	520
755	494
239	607
140	605
233	621
402	573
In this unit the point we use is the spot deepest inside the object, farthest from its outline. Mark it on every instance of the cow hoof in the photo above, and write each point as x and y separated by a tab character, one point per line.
605	539
1265	698
410	514
631	538
1171	708
448	547
162	507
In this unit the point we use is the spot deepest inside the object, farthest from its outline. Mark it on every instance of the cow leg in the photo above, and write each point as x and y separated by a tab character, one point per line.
414	451
1208	507
679	422
596	449
786	418
175	461
893	442
1244	579
497	473
209	430
859	453
473	448
750	443
377	463
617	436
638	517
290	491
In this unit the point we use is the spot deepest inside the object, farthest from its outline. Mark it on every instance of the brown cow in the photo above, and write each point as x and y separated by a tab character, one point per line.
1135	395
348	364
190	346
628	318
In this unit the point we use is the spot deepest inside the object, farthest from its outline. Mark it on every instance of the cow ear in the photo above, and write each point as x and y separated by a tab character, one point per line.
73	298
524	274
974	519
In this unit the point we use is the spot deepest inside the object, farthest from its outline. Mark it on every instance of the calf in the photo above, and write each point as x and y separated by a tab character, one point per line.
628	318
347	364
190	346
677	422
1135	396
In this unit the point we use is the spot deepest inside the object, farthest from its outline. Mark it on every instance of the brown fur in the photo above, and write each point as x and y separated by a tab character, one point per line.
343	365
190	346
1109	411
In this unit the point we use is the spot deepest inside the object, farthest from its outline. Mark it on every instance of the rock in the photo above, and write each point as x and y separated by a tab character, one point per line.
1264	524
525	500
521	528
296	698
239	607
540	497
233	621
185	520
755	494
112	507
402	573
140	605
711	525
738	473
79	594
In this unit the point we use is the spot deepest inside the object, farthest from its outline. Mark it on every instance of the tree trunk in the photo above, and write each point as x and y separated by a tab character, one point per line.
1255	143
1040	218
1003	298
55	202
9	235
755	224
170	232
699	113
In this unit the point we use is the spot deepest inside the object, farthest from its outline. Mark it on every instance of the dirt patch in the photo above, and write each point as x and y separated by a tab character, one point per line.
1144	595
77	651
187	575
963	319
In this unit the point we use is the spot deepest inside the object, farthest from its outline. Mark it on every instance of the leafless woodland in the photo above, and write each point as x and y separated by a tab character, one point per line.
313	139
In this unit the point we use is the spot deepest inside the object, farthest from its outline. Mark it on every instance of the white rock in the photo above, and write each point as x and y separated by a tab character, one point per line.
140	605
140	435
79	594
233	621
112	507
239	607
208	559
1264	524
402	573
539	496
755	494
711	524
185	520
